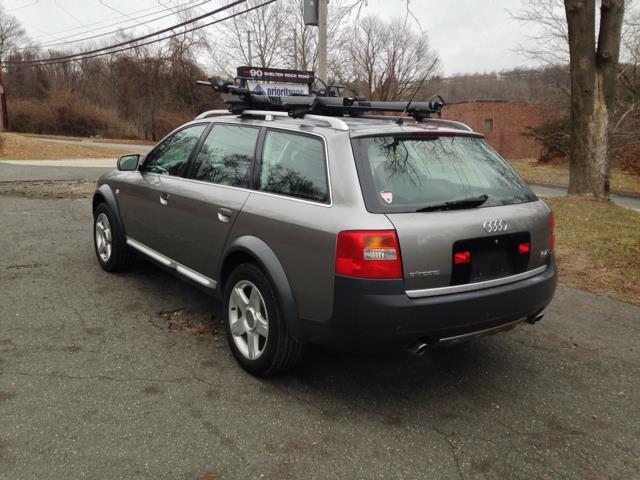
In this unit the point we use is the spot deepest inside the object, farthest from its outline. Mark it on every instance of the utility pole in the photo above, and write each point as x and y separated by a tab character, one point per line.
322	40
249	43
4	119
295	49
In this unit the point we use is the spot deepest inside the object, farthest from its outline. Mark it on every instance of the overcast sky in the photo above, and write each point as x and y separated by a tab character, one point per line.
469	35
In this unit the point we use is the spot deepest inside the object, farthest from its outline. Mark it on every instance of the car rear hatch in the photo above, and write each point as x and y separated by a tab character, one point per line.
462	215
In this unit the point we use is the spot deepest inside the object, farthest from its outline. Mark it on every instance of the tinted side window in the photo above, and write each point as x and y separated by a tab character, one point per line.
226	156
294	165
170	156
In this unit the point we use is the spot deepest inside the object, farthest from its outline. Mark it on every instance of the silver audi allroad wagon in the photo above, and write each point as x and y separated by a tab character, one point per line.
351	232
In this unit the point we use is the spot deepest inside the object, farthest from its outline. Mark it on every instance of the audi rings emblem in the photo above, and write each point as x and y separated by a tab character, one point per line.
492	226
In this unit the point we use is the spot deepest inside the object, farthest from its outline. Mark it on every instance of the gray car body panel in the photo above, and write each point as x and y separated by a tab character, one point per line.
301	234
426	238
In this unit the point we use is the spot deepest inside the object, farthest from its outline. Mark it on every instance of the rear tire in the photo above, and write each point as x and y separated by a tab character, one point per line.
110	245
255	328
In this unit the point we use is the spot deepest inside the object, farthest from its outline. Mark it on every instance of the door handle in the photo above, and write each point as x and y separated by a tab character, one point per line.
164	198
224	214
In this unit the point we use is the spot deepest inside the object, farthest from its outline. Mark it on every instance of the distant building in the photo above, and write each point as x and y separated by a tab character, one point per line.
504	124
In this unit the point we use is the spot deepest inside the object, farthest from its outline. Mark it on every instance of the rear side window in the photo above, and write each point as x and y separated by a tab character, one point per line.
226	156
405	173
294	165
172	154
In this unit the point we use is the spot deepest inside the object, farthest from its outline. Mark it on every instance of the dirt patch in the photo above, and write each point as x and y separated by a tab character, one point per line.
25	266
152	390
6	396
48	189
194	323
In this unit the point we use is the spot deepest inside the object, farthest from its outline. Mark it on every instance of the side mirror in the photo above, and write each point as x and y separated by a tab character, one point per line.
128	163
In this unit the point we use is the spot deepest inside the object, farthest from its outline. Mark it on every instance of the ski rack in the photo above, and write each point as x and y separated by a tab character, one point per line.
240	99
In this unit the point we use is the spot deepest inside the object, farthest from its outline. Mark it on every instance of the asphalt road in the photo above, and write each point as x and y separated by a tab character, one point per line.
128	376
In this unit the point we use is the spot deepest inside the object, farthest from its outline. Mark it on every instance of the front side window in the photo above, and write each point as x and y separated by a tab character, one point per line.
226	156
405	173
172	154
294	165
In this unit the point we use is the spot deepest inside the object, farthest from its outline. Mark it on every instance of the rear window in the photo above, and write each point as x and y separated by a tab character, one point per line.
294	165
406	173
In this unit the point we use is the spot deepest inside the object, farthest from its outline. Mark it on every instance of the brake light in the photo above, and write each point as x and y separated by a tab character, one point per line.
524	247
552	240
461	257
368	254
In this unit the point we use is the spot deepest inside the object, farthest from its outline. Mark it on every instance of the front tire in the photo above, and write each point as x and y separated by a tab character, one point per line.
109	242
255	328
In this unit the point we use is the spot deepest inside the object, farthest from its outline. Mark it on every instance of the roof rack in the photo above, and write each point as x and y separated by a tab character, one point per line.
241	98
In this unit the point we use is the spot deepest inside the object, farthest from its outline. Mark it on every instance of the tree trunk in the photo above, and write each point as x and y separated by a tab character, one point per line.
593	89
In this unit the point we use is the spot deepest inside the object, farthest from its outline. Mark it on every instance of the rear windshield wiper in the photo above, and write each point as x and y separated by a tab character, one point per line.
472	202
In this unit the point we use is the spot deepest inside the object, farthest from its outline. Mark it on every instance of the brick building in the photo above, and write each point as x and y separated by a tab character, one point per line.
504	124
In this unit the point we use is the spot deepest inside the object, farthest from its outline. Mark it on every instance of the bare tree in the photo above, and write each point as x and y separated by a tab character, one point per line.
12	34
591	42
594	74
386	59
264	25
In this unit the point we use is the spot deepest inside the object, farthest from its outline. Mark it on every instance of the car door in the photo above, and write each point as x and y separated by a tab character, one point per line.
203	209
145	198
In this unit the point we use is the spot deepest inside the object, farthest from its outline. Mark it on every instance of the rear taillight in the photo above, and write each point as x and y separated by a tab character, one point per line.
461	257
524	247
552	240
368	254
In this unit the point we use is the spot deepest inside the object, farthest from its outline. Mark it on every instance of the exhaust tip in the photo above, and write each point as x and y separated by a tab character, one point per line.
535	318
418	349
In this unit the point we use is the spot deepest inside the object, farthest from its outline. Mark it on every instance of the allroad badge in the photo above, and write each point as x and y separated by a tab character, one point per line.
492	226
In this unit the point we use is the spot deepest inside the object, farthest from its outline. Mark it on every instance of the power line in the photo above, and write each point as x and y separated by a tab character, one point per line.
92	37
81	56
35	2
55	2
104	4
134	40
104	21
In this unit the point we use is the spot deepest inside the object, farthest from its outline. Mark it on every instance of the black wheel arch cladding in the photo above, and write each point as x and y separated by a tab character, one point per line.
268	261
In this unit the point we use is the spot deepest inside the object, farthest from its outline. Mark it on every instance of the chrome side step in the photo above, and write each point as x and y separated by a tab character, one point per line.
181	269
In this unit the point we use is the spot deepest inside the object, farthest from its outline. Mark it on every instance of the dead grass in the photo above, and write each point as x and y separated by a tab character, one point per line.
127	141
558	174
598	247
19	147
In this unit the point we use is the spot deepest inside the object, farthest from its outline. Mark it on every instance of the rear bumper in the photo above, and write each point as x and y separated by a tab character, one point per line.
378	314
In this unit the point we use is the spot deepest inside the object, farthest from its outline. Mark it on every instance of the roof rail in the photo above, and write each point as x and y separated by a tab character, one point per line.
266	114
402	118
212	113
269	115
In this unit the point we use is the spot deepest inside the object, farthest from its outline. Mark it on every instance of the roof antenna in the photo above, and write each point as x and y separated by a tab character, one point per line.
433	64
